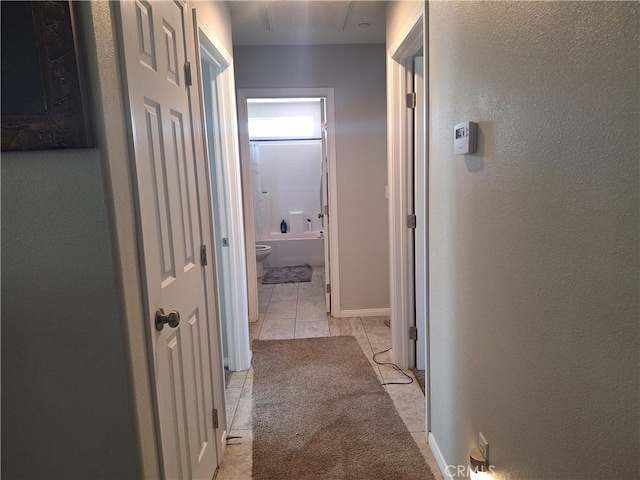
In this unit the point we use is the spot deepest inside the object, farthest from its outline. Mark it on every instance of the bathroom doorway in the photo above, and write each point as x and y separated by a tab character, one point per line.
288	162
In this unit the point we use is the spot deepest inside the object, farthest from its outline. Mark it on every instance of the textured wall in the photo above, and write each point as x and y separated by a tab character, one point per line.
76	398
397	15
217	17
357	73
109	130
534	239
66	401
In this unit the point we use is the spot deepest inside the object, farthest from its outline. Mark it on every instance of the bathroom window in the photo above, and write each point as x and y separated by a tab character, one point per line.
277	128
284	119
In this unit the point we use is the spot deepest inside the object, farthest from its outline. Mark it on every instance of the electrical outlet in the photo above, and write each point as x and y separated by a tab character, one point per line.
483	446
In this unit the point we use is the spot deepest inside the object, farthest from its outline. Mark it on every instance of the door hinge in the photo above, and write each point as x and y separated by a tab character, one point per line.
412	221
328	288
188	79
325	127
216	422
413	333
203	255
412	101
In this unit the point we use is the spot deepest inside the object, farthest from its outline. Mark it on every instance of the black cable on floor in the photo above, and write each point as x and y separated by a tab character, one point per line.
394	366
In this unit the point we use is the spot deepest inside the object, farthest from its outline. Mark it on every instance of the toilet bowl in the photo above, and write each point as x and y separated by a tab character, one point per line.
262	252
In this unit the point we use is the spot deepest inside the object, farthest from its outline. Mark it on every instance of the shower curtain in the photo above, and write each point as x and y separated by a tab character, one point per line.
259	213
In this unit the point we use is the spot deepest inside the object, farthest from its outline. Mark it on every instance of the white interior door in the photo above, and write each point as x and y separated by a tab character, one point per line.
324	188
420	209
169	216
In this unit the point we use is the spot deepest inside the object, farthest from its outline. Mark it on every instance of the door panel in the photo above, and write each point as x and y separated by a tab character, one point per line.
144	26
187	191
168	197
324	188
420	202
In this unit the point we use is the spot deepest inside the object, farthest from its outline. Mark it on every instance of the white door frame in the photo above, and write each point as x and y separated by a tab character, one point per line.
324	201
239	352
409	42
243	95
420	200
194	24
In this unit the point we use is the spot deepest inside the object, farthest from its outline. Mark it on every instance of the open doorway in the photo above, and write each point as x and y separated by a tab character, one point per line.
288	184
288	162
228	249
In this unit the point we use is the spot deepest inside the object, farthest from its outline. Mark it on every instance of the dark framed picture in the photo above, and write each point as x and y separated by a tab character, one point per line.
42	106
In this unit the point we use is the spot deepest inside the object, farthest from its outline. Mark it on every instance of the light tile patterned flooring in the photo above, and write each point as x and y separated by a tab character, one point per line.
298	311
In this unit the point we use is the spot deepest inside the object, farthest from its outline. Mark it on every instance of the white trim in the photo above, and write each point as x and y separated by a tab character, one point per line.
368	312
409	38
247	197
239	353
328	93
407	44
194	25
421	249
437	454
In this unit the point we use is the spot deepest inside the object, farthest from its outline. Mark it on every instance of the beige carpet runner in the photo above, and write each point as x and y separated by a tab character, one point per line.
320	413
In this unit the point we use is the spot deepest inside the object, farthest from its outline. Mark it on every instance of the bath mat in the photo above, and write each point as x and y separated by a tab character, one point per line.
297	274
320	412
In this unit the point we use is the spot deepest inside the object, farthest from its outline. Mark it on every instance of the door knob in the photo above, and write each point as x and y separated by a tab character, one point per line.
172	318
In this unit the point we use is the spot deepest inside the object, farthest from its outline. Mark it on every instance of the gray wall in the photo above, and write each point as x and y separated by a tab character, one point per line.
357	73
75	400
534	239
66	405
76	392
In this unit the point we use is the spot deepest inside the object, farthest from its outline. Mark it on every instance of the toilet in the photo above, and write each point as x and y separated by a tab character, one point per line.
262	252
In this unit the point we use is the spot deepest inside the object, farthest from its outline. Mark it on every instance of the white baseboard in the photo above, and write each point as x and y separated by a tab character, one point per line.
442	463
370	312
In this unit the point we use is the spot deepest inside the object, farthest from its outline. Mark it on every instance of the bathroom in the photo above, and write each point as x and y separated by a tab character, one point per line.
286	151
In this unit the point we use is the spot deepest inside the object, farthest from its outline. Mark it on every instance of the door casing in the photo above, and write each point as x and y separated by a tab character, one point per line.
409	43
235	274
420	200
328	95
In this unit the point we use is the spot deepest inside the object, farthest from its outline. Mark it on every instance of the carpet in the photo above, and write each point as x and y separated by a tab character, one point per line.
297	274
319	412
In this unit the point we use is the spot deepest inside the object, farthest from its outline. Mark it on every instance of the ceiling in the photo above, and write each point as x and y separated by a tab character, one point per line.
307	22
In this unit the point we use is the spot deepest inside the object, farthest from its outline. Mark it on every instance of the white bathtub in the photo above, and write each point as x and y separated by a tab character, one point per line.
288	251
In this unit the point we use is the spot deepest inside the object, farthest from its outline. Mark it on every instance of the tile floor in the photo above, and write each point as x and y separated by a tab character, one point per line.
298	311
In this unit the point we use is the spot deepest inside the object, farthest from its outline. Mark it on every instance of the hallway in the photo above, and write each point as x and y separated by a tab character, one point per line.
297	311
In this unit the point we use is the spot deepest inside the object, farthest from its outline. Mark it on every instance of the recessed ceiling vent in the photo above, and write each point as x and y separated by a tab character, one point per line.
307	15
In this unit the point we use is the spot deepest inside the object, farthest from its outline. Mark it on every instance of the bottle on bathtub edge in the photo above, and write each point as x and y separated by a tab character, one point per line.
283	226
